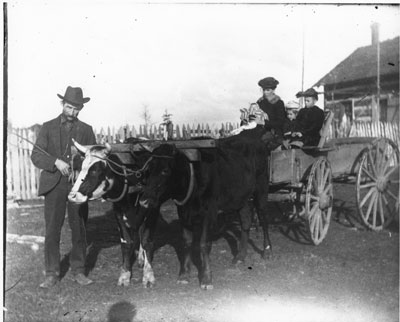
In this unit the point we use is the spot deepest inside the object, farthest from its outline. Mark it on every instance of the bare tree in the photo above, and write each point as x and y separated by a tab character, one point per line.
146	116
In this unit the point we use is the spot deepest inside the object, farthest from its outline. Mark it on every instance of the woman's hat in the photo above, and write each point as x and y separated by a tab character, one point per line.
268	82
74	96
311	92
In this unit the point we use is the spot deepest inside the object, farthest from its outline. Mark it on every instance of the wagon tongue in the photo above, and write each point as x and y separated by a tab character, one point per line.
77	197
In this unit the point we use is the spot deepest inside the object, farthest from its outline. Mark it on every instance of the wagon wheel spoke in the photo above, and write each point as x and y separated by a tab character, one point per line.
328	189
368	173
321	221
387	154
388	174
371	203
371	163
368	185
377	150
312	216
389	160
366	197
313	210
316	225
374	212
321	176
387	204
396	199
381	213
314	185
325	179
380	154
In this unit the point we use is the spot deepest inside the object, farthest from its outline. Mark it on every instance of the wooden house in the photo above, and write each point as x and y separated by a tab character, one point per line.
353	86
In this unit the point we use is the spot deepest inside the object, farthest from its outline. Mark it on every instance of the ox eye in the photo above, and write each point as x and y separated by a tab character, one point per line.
165	172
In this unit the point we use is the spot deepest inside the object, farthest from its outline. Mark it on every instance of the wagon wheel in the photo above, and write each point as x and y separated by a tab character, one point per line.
378	184
319	200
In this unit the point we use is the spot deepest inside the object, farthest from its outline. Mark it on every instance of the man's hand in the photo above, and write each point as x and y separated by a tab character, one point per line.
62	166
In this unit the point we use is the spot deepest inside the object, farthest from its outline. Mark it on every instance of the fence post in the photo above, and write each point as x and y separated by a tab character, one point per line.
35	173
26	176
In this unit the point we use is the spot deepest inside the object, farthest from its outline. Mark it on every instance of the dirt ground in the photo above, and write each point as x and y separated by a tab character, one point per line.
352	276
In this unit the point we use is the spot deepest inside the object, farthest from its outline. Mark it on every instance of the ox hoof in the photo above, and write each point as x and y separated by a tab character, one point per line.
148	284
124	279
238	261
267	255
207	287
182	281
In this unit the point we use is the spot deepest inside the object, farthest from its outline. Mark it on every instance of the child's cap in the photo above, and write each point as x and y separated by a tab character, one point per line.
292	105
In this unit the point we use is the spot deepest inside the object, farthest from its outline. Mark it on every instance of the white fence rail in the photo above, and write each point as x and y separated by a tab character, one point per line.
23	176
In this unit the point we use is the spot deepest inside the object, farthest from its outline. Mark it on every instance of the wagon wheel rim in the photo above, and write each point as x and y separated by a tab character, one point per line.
319	200
378	185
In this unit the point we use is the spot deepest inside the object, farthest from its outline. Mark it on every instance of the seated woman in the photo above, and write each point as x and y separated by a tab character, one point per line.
309	121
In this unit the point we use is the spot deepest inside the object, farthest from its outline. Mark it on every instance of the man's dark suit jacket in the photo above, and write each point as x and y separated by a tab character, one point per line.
49	139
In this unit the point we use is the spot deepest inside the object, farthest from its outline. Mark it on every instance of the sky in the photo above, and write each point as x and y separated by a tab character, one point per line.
201	62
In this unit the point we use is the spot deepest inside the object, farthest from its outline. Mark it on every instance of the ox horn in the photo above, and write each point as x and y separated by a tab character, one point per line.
108	147
190	189
81	148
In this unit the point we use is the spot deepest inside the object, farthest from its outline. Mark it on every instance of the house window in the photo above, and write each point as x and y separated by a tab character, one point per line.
363	110
340	110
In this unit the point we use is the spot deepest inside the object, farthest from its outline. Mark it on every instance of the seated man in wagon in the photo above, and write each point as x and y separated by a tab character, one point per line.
309	120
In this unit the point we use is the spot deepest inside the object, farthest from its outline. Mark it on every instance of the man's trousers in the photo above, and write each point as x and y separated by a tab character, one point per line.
55	204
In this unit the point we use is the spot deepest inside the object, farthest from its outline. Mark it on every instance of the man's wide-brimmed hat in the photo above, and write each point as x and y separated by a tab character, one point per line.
268	82
74	96
311	92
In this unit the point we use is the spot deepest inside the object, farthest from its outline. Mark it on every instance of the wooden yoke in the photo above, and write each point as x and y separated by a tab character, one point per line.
188	147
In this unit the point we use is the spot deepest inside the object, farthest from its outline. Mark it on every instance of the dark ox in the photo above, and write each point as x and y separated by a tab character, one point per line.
104	176
223	180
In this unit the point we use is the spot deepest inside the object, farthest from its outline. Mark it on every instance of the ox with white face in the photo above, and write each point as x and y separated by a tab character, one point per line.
92	182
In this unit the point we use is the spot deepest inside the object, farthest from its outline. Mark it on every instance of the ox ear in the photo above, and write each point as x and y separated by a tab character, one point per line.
108	148
81	148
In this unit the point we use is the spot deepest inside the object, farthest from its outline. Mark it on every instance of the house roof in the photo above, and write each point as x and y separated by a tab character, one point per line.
361	64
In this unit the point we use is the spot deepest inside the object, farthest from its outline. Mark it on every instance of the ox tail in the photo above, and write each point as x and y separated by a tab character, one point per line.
190	188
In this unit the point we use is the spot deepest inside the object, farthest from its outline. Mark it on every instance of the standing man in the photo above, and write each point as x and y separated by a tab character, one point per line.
52	154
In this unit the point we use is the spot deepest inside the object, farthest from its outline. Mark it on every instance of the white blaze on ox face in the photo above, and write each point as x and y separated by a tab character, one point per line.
93	154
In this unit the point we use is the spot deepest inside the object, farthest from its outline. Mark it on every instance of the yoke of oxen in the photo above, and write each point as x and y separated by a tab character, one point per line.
126	151
126	158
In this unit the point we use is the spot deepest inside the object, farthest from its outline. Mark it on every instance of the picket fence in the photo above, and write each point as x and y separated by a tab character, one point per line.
23	176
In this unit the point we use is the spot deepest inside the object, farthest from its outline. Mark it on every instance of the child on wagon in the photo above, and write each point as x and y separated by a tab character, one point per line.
292	108
309	120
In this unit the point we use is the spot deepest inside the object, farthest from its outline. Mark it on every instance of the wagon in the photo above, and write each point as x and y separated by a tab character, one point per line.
304	177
